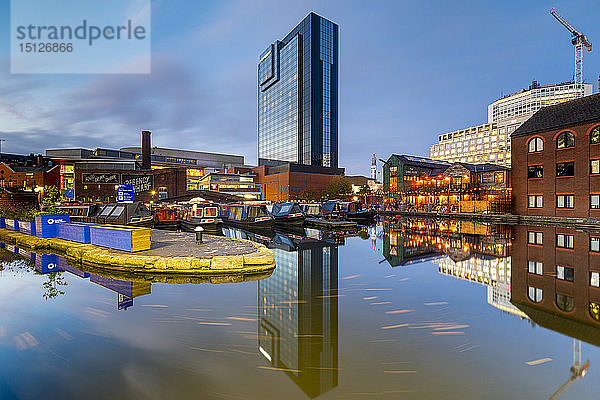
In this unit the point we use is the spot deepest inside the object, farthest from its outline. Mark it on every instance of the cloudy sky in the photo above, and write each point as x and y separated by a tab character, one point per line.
408	72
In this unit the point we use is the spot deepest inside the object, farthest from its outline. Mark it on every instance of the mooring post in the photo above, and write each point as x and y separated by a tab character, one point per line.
199	231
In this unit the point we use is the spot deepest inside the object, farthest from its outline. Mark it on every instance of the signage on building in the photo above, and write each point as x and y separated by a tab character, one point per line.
69	193
112	179
410	170
62	176
125	194
140	183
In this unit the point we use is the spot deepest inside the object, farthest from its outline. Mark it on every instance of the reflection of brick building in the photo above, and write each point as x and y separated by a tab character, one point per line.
556	161
556	275
287	181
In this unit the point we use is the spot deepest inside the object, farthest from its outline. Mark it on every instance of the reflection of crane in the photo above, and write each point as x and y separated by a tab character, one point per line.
577	370
579	40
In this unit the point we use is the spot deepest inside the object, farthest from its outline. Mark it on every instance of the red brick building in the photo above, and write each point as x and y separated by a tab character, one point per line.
101	185
288	181
556	161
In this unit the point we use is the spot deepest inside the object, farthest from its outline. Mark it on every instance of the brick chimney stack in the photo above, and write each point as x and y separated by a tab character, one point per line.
146	150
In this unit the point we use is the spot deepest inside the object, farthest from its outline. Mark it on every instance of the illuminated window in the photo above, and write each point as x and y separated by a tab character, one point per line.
564	302
595	244
565	169
565	140
594	166
595	311
565	201
535	237
595	279
535	201
536	144
535	171
595	201
564	241
565	273
534	294
535	267
595	135
499	177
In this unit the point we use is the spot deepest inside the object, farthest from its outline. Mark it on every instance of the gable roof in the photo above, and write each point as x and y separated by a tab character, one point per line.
482	167
573	112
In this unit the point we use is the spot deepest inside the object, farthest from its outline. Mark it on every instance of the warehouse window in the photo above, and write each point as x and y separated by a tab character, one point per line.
565	273
565	140
595	244
536	144
565	201
534	294
565	241
535	267
535	201
535	237
565	168
535	171
565	303
595	135
595	201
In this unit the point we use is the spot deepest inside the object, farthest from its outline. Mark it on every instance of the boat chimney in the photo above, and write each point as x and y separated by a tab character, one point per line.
146	150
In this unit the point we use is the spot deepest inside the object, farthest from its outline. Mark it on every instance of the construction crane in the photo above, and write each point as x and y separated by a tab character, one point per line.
578	370
579	40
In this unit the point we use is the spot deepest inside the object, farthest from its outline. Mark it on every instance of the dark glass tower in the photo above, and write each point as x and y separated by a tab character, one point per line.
298	96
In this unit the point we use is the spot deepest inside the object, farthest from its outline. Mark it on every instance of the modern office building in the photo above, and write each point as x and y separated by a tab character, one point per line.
491	142
556	161
298	96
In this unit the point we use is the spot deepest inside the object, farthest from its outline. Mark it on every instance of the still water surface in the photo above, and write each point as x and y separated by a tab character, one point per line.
413	309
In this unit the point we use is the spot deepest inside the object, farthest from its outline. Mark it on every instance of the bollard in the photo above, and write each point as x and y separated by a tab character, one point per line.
199	231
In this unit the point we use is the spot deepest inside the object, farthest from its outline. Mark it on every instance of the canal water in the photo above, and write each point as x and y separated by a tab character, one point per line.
406	309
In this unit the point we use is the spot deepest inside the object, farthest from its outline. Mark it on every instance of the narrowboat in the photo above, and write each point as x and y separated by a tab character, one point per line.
288	214
133	214
247	216
204	215
356	212
330	209
167	218
311	210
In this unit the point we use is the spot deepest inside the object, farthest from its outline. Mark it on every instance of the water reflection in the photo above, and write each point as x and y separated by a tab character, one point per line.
298	308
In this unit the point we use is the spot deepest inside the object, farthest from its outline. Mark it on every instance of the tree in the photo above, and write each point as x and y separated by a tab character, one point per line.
338	187
309	194
364	189
51	195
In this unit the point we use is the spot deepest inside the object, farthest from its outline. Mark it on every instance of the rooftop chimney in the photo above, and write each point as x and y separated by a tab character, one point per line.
146	150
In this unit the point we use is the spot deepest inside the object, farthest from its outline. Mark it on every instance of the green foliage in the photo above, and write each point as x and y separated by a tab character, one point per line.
53	284
364	235
51	195
310	195
364	189
338	187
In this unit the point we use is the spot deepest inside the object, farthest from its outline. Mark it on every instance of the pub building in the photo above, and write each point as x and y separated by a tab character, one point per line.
422	184
556	161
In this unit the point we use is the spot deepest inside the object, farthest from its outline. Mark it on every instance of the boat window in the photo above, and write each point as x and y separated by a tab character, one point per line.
117	211
106	211
253	212
235	213
210	212
286	208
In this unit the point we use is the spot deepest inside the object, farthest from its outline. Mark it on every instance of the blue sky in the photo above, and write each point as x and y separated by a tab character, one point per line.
408	72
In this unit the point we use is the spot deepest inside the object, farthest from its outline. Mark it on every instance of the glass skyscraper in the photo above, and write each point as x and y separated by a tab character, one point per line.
298	96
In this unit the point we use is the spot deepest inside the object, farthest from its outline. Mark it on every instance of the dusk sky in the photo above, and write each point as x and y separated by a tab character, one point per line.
408	72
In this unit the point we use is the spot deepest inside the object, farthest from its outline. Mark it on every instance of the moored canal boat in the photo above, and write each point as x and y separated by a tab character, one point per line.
254	216
288	214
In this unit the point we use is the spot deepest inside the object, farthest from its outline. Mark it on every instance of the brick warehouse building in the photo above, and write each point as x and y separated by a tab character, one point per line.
287	181
101	185
556	161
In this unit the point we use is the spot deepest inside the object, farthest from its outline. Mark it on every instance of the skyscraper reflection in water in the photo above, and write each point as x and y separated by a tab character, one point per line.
298	313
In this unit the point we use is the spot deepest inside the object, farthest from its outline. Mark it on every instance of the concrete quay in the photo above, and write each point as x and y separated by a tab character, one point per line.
171	252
